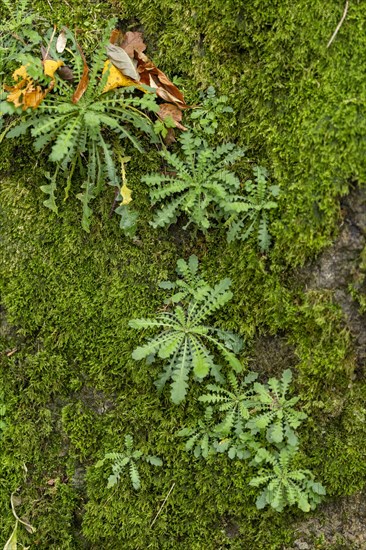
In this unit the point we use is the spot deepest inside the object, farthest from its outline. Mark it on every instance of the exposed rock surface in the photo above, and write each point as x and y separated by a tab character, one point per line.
339	267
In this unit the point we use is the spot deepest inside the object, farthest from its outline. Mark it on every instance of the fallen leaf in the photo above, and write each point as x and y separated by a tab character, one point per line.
23	521
24	94
126	194
61	42
125	191
84	81
155	78
21	73
33	97
170	110
50	67
116	37
66	73
133	42
170	137
63	71
122	61
115	78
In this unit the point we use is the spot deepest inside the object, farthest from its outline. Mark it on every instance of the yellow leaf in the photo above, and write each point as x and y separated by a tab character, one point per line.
126	194
21	73
116	79
33	97
50	67
14	97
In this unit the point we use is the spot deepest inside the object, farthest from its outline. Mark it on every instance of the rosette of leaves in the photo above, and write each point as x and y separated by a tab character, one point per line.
78	128
251	214
189	285
127	460
183	338
202	437
274	412
200	185
236	445
284	484
234	404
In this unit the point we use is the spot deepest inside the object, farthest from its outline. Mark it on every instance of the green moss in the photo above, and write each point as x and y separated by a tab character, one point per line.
72	388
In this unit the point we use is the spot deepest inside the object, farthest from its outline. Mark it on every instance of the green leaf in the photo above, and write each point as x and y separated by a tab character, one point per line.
134	475
112	481
154	460
11	543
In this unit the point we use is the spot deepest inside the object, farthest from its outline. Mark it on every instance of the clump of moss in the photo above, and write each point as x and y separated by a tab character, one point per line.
72	387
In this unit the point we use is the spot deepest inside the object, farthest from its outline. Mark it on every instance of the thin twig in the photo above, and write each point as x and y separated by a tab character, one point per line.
50	42
162	506
339	24
50	5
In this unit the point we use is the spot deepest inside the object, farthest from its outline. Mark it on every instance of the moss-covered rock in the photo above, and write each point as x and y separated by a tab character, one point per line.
71	386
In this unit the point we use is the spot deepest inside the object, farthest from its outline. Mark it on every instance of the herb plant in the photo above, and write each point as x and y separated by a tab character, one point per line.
252	213
128	458
183	338
201	436
202	187
189	285
284	484
274	412
79	130
236	421
234	404
207	117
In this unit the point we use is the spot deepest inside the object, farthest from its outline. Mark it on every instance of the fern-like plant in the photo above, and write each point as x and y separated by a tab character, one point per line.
252	213
78	132
201	437
274	412
183	338
203	187
249	410
189	285
234	404
207	116
284	484
129	458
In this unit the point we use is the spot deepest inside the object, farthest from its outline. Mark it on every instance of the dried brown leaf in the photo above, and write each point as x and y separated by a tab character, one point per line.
116	37
170	110
170	137
155	78
66	73
133	42
84	81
